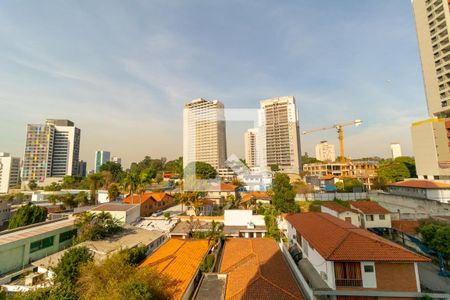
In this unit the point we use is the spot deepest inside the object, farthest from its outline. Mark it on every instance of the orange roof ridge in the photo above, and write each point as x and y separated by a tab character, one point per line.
241	262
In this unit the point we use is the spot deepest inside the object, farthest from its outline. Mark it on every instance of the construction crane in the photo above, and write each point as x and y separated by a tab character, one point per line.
340	130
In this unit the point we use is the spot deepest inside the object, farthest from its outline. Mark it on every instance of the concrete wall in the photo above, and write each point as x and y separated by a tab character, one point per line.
411	208
331	196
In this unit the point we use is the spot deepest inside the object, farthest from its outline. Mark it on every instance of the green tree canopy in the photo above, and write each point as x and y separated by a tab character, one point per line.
96	226
113	191
393	171
283	194
115	169
410	163
27	215
201	170
174	166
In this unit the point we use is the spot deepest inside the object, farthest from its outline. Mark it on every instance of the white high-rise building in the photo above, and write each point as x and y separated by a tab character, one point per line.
279	135
204	133
250	137
325	152
9	172
51	150
396	150
101	157
117	160
431	142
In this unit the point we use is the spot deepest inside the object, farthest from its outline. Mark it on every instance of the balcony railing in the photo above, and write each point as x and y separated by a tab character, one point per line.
348	282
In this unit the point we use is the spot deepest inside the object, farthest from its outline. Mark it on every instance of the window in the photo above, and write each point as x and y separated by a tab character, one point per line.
368	269
65	236
41	244
299	239
348	274
381	217
369	218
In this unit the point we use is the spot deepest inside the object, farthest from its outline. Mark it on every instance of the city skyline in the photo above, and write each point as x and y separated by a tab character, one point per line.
343	69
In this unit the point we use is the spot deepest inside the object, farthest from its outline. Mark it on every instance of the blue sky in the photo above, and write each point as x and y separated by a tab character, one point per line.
122	70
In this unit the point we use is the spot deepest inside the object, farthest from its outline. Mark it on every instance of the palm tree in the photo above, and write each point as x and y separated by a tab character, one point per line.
215	234
131	183
94	180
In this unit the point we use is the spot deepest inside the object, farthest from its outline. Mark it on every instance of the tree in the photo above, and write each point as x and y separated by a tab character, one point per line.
237	182
93	227
270	218
53	187
71	182
303	188
131	182
67	272
27	215
115	169
81	199
283	194
95	182
32	185
410	163
309	160
113	191
107	178
274	168
348	184
159	178
116	278
393	171
441	241
145	178
175	166
201	170
135	255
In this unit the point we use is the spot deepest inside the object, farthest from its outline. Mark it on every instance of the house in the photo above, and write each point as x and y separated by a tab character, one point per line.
184	229
423	189
344	213
336	256
259	181
222	191
124	213
242	223
256	197
180	261
373	214
253	269
151	202
328	182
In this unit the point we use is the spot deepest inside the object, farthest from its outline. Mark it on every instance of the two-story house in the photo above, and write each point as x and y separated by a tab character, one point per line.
373	214
151	202
344	213
341	260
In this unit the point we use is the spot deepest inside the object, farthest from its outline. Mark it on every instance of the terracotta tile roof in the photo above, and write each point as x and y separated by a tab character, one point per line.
327	177
337	240
179	260
338	208
255	196
406	226
422	184
144	197
113	207
369	207
223	187
256	269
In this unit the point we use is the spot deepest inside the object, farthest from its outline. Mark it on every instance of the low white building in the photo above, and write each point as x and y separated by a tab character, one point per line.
423	189
125	213
257	181
344	213
373	215
9	172
242	223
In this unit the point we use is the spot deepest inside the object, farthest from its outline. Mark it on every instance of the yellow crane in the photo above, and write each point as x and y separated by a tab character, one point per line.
340	131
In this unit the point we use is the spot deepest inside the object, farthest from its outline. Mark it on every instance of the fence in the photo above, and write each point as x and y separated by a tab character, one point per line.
331	196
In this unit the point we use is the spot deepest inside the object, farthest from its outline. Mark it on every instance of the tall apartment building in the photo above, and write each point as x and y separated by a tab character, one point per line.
9	172
325	152
101	157
204	133
250	141
117	160
51	150
431	142
279	134
396	150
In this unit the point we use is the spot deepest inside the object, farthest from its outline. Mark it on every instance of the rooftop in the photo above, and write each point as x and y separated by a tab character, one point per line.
179	260
164	225
212	286
421	184
256	269
113	207
369	207
223	187
339	208
130	237
144	197
255	196
11	236
337	240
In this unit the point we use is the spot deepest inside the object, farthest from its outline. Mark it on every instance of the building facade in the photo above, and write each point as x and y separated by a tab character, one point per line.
9	172
325	152
101	157
204	133
250	138
396	150
51	150
279	135
117	160
430	140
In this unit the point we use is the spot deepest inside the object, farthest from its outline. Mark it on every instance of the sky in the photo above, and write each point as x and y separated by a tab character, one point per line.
122	70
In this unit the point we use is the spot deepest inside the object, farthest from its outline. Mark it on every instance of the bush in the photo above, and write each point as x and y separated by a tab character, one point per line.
207	263
135	255
27	215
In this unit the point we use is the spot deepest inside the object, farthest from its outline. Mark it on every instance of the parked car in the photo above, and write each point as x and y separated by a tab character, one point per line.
157	213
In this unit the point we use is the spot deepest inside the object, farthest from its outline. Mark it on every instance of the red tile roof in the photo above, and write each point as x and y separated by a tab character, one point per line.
369	207
255	196
337	240
256	269
422	184
223	187
406	226
144	197
327	177
338	208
